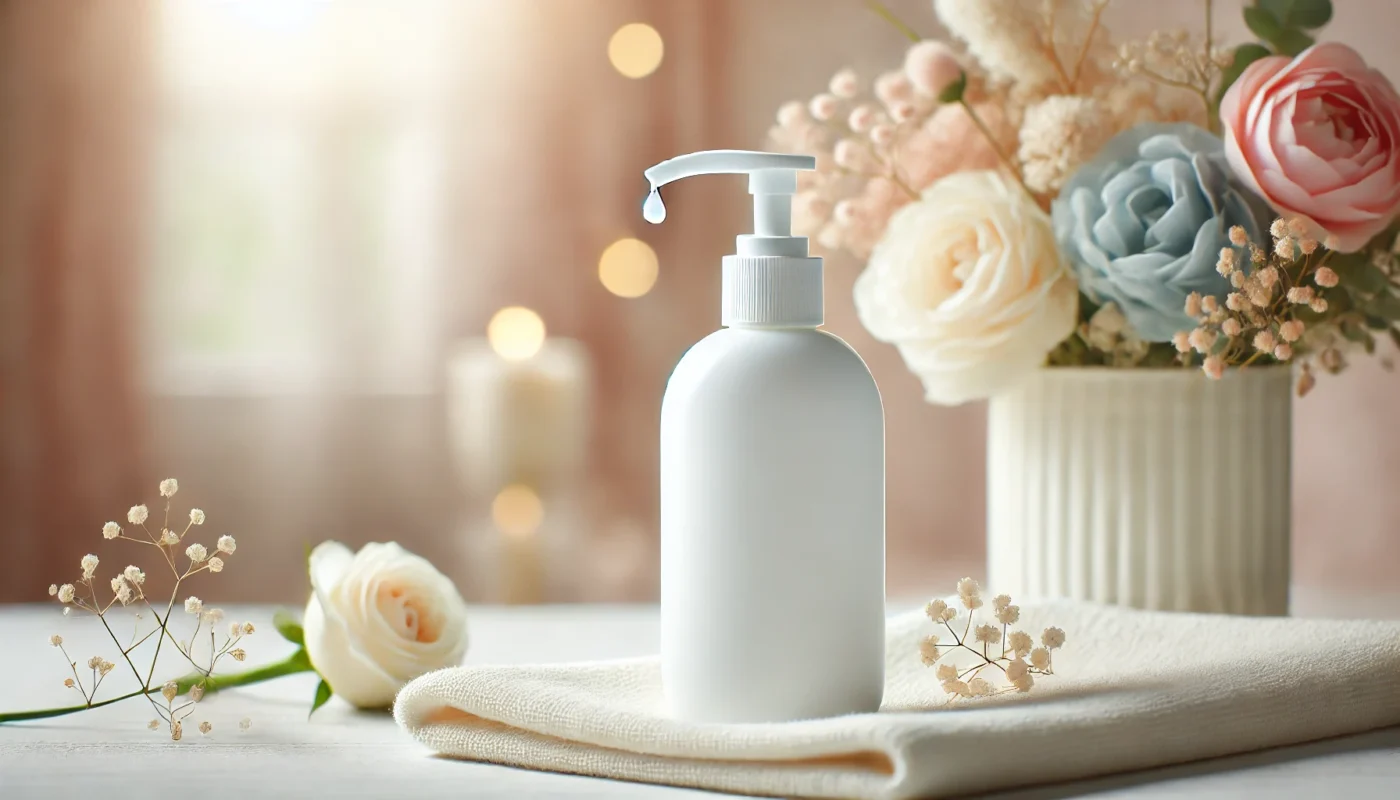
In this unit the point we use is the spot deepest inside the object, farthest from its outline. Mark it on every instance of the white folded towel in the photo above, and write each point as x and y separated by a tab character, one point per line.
1131	690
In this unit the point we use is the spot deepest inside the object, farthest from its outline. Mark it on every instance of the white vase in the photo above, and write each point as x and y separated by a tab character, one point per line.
1155	489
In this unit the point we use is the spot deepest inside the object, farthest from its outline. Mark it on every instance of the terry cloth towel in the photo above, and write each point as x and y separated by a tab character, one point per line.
1131	690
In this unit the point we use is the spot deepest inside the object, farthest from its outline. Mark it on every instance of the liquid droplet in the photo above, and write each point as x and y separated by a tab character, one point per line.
653	210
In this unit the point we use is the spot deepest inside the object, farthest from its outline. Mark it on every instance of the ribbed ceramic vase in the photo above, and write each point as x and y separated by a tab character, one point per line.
1156	489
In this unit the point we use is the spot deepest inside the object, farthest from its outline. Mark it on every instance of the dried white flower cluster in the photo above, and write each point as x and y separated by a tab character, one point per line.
1038	47
1108	332
994	646
1175	60
128	588
1278	296
997	35
1060	134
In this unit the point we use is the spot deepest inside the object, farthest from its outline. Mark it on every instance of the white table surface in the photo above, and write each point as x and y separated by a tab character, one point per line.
341	753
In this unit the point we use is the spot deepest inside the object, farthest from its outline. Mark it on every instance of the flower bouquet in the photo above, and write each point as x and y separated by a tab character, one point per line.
1085	231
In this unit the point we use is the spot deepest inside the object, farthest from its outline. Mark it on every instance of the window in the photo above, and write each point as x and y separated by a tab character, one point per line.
299	196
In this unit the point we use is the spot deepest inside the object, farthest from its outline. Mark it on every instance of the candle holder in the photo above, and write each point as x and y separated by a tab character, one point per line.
519	429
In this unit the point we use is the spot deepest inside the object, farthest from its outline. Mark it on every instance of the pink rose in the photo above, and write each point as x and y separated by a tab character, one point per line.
1319	138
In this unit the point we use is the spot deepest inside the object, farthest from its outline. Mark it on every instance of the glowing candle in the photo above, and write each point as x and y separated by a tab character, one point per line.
519	405
518	408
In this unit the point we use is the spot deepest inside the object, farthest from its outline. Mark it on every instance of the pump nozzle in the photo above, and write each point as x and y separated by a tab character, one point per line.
771	281
772	182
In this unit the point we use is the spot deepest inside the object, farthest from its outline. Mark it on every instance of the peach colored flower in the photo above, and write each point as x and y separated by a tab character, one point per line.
945	143
869	213
823	106
1193	304
844	84
1318	136
949	142
931	66
810	211
893	87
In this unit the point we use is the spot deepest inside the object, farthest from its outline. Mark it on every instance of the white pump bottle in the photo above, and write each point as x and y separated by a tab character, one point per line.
772	485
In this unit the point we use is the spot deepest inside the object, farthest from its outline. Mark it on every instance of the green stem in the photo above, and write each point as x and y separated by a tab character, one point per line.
1210	28
893	19
1212	118
293	664
1001	154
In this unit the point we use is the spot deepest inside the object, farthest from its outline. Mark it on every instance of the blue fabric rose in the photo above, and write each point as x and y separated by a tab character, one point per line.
1142	224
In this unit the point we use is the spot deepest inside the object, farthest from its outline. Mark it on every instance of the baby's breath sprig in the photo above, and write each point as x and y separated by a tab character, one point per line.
1295	300
1177	60
128	588
996	649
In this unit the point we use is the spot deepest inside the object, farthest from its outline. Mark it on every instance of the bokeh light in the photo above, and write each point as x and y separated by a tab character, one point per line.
628	268
515	333
517	510
635	50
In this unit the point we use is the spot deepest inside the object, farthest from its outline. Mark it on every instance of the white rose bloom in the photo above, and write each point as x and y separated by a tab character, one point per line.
969	284
378	619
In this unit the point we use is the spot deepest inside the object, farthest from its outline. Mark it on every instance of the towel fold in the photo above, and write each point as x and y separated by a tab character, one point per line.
1131	690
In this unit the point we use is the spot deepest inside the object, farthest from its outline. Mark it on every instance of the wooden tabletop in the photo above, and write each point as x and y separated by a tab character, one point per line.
342	753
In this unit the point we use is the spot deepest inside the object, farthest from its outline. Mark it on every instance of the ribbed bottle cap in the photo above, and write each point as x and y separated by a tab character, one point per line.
772	292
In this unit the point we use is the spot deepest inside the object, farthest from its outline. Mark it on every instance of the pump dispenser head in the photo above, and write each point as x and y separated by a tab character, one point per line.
770	282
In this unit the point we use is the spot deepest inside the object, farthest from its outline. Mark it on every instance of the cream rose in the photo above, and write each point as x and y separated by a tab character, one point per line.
378	619
969	284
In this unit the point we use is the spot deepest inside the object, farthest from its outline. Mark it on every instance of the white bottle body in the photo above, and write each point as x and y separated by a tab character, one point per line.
772	529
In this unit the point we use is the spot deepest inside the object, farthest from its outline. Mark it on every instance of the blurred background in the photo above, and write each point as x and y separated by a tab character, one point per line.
372	270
